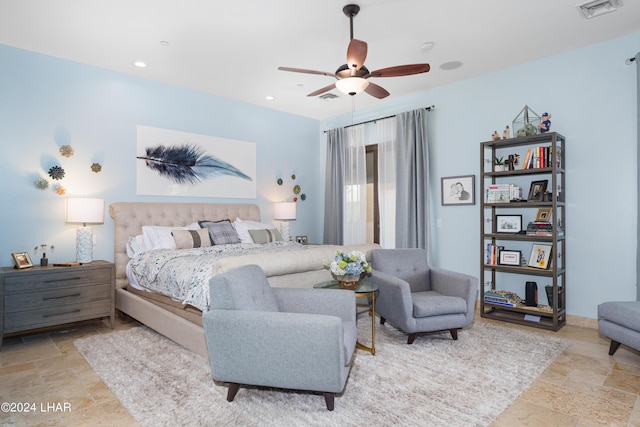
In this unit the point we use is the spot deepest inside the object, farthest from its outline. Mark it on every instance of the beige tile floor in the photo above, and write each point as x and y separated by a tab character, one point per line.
583	387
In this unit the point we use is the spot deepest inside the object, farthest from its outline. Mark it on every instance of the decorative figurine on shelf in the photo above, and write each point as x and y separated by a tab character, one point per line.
545	123
495	136
505	132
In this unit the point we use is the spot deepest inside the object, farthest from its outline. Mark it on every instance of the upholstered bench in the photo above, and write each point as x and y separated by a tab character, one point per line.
620	321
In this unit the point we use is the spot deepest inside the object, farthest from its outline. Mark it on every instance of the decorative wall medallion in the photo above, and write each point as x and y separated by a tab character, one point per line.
41	184
66	151
56	172
96	167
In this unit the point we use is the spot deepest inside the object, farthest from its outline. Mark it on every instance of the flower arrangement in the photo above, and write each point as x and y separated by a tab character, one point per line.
351	263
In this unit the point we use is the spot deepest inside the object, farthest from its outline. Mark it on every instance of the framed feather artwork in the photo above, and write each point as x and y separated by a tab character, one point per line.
174	163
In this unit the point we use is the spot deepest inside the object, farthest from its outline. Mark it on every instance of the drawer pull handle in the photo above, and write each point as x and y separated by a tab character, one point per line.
61	296
77	310
62	280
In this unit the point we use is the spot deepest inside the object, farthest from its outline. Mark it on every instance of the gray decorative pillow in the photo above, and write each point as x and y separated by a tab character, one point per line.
221	232
186	239
265	236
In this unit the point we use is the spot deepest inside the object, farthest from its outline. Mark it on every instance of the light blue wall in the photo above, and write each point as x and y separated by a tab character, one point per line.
591	93
46	102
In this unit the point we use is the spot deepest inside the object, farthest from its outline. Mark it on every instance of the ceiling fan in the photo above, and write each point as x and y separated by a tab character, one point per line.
352	76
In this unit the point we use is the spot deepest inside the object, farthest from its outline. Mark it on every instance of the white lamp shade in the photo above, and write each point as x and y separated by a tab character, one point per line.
352	85
284	211
84	210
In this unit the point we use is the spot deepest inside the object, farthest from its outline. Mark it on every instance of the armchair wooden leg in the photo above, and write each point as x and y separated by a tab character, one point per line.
614	346
233	390
454	333
411	338
329	400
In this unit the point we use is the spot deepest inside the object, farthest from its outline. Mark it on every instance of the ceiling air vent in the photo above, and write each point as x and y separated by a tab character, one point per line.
328	96
596	8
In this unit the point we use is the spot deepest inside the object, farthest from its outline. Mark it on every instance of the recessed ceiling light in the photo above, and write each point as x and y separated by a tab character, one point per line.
451	65
140	64
427	45
269	98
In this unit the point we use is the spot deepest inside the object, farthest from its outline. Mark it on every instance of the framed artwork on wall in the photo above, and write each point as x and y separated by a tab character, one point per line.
174	163
458	190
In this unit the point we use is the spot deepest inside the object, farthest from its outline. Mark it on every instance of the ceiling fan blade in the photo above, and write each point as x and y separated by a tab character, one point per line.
376	91
323	90
401	70
302	70
356	54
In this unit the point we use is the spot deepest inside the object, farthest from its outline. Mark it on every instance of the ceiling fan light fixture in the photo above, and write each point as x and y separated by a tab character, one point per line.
352	85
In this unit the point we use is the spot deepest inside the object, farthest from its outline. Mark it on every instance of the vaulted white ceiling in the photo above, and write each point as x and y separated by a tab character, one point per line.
233	48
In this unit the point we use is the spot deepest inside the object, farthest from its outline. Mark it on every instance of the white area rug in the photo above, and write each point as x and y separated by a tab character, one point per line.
433	382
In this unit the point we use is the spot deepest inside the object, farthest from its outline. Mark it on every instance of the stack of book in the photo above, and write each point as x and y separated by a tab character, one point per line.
540	228
508	299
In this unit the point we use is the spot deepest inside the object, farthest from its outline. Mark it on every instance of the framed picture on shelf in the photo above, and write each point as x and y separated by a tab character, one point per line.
508	224
540	256
301	239
458	190
510	258
21	260
537	189
543	215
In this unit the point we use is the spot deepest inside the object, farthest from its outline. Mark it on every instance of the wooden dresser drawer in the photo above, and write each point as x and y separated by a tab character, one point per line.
55	296
54	280
49	316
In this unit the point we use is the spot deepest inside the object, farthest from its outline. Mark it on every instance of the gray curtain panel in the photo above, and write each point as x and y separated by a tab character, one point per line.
334	188
637	61
412	182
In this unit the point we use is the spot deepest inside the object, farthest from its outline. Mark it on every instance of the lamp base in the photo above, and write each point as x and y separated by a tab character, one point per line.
84	245
284	230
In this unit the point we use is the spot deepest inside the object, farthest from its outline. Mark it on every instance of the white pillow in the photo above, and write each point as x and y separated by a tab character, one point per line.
135	245
159	237
243	227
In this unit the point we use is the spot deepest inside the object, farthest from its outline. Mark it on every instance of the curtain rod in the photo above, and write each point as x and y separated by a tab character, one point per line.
433	107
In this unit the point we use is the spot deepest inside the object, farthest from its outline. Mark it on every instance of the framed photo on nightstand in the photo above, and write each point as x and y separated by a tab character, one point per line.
302	239
21	260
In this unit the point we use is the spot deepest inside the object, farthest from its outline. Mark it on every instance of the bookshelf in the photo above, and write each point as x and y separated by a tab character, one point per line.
523	231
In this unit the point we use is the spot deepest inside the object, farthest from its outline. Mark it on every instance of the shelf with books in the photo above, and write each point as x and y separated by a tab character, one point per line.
533	194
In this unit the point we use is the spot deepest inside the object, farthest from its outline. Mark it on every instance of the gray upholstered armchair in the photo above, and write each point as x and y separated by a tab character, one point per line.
415	297
300	339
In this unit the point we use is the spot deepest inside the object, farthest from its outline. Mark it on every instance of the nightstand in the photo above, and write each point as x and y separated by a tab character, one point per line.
40	297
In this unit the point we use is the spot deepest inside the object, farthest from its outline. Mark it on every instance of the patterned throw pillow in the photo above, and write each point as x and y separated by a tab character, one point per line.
187	239
221	232
265	236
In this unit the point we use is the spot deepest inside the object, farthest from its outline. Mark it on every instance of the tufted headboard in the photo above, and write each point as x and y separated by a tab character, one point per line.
129	217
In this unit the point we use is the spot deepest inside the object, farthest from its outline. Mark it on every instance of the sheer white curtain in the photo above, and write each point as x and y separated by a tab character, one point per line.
355	186
387	181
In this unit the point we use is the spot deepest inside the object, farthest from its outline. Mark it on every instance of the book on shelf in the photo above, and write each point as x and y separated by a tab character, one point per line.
540	157
493	253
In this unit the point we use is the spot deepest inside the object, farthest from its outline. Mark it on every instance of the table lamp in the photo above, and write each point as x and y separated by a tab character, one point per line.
285	212
84	210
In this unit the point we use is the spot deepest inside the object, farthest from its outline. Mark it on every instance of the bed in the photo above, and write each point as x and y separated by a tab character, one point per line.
181	322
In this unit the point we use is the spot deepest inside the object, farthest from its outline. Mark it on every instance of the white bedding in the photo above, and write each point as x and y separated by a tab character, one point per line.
184	274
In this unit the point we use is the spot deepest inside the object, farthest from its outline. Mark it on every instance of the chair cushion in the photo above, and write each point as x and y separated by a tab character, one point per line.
245	288
432	303
624	313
